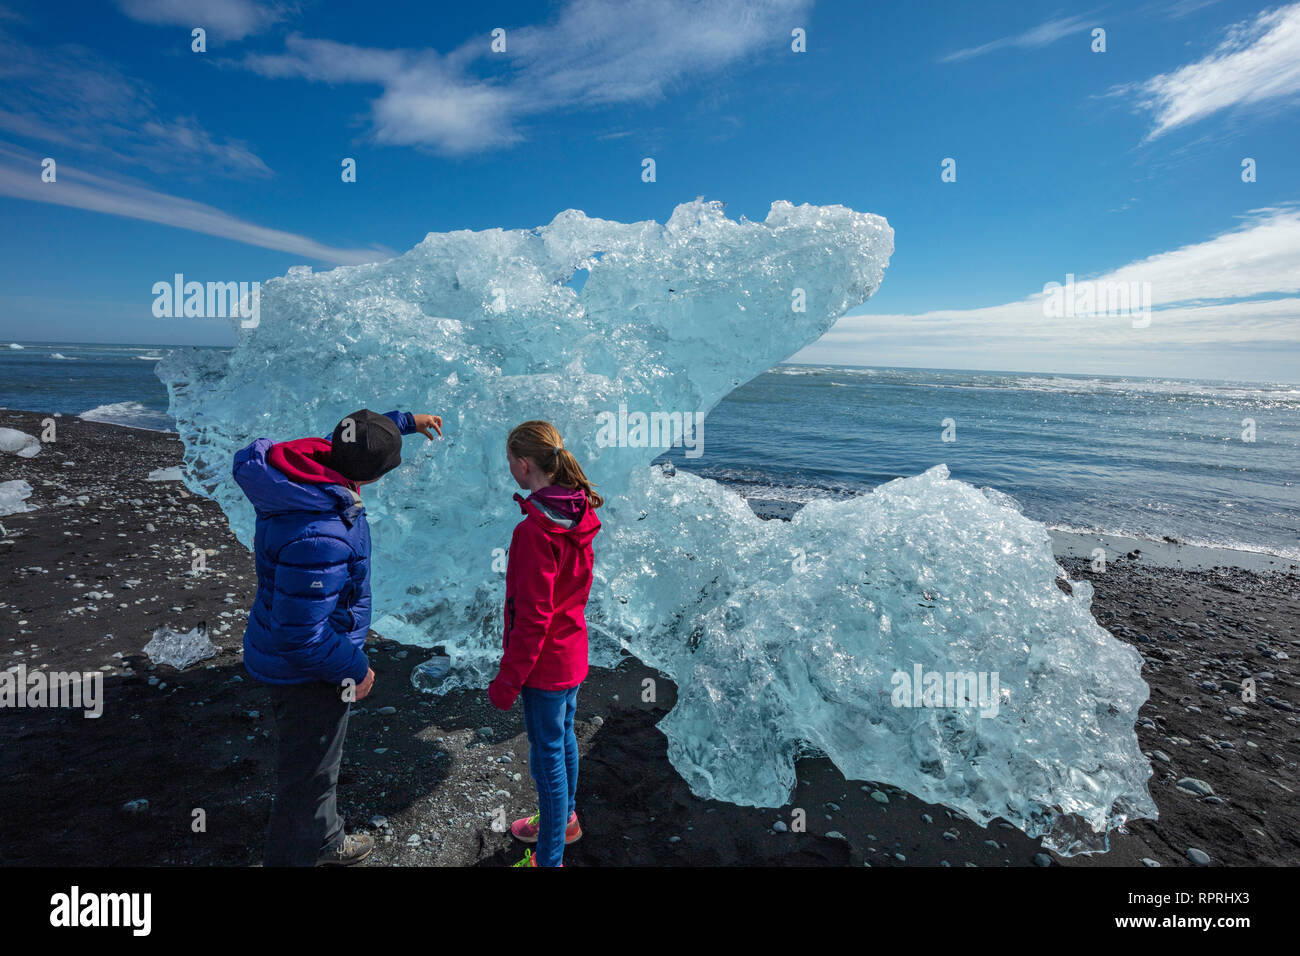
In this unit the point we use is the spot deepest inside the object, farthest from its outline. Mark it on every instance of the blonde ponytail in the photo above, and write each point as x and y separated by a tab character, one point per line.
540	442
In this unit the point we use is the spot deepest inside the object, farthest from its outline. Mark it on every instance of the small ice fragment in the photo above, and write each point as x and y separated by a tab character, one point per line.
13	497
165	474
427	676
178	649
19	443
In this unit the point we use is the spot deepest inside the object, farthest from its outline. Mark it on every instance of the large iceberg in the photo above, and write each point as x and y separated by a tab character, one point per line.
783	637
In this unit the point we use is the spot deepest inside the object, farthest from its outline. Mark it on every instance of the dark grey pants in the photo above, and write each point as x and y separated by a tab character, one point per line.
311	721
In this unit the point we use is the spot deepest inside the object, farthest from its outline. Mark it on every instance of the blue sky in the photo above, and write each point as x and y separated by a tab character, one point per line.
1124	164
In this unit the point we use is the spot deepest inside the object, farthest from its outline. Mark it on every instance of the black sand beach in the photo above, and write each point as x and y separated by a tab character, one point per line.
106	558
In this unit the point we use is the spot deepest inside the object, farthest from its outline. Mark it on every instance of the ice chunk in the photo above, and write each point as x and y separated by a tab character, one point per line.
166	474
782	637
13	497
429	675
180	649
800	628
19	443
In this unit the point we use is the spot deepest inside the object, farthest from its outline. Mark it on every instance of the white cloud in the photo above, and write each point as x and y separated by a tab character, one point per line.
222	19
20	177
1039	36
1205	296
1257	62
592	54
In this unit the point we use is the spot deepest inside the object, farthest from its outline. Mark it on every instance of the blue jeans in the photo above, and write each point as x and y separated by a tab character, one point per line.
553	760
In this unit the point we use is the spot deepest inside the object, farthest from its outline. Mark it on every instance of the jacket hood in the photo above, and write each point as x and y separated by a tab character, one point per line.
274	491
308	460
562	511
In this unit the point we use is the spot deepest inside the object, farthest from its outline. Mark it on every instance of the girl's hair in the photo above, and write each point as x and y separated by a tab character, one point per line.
542	443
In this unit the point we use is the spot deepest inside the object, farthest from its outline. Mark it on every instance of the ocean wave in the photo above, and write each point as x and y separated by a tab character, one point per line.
1212	391
132	414
61	357
754	484
828	370
1291	554
1223	390
976	381
15	345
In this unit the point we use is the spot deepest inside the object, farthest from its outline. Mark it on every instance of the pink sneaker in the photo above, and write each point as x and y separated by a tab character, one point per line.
525	829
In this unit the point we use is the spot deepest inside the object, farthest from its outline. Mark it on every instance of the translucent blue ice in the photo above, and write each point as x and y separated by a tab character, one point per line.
783	637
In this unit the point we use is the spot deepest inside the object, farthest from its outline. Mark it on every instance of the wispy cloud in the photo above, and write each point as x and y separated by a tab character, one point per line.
20	177
1257	62
66	96
1177	9
222	19
1235	290
1039	36
593	54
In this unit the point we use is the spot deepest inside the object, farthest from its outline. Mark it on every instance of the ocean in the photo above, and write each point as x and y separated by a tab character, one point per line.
1139	457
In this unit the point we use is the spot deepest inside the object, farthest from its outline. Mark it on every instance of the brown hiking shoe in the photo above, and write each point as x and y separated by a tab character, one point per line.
353	848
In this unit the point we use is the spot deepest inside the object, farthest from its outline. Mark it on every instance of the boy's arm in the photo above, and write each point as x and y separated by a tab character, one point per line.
408	424
404	421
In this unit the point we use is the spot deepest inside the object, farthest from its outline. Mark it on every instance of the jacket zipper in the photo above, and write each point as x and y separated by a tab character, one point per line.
510	606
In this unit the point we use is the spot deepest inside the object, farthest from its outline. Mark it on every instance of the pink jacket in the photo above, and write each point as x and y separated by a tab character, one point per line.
548	580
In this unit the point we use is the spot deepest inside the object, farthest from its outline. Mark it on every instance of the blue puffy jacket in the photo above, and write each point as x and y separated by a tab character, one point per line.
311	614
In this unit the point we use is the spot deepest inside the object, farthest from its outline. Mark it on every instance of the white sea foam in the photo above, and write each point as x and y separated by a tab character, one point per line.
132	414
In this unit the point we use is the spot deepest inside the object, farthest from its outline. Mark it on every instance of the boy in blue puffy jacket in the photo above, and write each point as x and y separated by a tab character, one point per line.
307	627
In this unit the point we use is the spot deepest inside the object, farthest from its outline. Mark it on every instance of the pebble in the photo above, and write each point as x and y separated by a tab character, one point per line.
1042	859
1198	787
136	806
1147	861
879	796
386	711
834	835
1199	857
780	826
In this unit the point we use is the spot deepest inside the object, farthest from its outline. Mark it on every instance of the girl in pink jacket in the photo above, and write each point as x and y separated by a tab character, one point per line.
548	579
